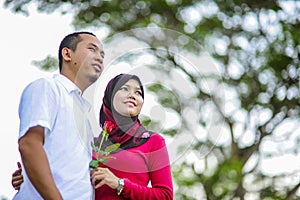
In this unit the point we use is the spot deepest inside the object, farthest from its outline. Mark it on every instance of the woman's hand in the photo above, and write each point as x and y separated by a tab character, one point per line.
17	178
103	176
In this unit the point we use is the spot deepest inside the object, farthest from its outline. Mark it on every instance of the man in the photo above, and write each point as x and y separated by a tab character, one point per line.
55	135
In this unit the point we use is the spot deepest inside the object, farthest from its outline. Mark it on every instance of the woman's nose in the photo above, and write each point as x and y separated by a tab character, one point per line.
132	95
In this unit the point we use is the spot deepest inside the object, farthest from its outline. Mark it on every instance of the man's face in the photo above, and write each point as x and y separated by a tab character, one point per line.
88	59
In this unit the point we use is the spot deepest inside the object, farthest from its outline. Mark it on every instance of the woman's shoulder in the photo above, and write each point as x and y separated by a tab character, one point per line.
155	135
156	139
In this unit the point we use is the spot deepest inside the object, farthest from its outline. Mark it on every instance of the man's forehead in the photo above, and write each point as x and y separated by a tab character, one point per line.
91	38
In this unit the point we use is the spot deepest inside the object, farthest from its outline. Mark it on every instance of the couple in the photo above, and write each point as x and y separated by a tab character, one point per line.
55	134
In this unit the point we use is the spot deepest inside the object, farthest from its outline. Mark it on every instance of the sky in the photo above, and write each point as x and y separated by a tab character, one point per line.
24	39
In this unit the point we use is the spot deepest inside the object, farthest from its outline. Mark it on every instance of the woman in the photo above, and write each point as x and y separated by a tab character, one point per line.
142	157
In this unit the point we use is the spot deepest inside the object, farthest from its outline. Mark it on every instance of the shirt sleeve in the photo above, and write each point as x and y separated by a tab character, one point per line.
38	106
159	172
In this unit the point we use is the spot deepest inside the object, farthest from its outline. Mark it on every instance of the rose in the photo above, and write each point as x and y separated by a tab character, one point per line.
109	126
101	156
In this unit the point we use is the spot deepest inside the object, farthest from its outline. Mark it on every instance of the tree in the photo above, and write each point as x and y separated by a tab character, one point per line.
249	98
3	198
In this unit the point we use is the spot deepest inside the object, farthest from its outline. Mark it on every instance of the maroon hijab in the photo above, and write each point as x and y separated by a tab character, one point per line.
128	131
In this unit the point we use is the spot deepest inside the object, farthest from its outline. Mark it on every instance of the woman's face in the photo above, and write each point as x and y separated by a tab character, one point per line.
128	100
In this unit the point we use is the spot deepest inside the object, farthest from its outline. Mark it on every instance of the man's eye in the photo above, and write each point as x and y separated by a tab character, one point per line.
92	49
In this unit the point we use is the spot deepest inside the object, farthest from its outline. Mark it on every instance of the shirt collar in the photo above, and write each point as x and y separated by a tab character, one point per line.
67	83
71	87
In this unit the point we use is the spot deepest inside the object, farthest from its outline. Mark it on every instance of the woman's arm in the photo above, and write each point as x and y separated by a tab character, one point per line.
161	189
159	172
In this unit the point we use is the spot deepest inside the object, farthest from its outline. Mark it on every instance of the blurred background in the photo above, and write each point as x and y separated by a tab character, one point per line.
222	79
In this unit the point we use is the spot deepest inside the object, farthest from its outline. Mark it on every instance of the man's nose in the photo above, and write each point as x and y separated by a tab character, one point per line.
100	58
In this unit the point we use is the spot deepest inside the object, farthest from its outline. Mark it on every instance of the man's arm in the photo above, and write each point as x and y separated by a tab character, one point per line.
36	163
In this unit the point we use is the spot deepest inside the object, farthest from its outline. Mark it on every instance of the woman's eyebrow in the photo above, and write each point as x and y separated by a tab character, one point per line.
137	88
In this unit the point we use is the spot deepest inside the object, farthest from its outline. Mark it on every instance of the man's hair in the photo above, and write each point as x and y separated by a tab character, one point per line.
70	41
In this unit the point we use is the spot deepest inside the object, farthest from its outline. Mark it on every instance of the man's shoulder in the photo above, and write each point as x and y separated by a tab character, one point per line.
42	81
44	84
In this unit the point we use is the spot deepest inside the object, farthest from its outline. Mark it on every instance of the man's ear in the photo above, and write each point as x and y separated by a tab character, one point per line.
66	54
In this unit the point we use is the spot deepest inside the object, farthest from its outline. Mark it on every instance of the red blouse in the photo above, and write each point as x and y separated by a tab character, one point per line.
139	166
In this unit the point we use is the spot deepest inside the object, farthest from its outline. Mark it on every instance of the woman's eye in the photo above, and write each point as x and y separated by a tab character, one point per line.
124	88
139	93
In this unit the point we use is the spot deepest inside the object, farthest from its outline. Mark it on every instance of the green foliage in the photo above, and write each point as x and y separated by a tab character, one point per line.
4	198
94	164
112	147
149	123
225	180
156	125
165	96
48	64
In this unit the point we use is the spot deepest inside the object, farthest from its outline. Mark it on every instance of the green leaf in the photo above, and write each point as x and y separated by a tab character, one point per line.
94	164
104	153
112	147
103	160
94	147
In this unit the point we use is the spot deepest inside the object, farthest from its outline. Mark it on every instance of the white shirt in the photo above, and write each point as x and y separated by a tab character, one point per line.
57	104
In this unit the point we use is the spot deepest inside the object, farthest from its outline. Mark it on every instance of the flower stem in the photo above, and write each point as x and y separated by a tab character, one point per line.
99	149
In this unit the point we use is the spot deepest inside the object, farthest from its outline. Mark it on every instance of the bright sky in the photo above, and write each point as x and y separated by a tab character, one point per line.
24	39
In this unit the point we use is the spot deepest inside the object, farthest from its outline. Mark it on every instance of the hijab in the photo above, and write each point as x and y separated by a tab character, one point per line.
128	131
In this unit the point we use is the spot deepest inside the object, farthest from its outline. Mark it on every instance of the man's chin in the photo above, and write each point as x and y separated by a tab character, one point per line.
93	79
